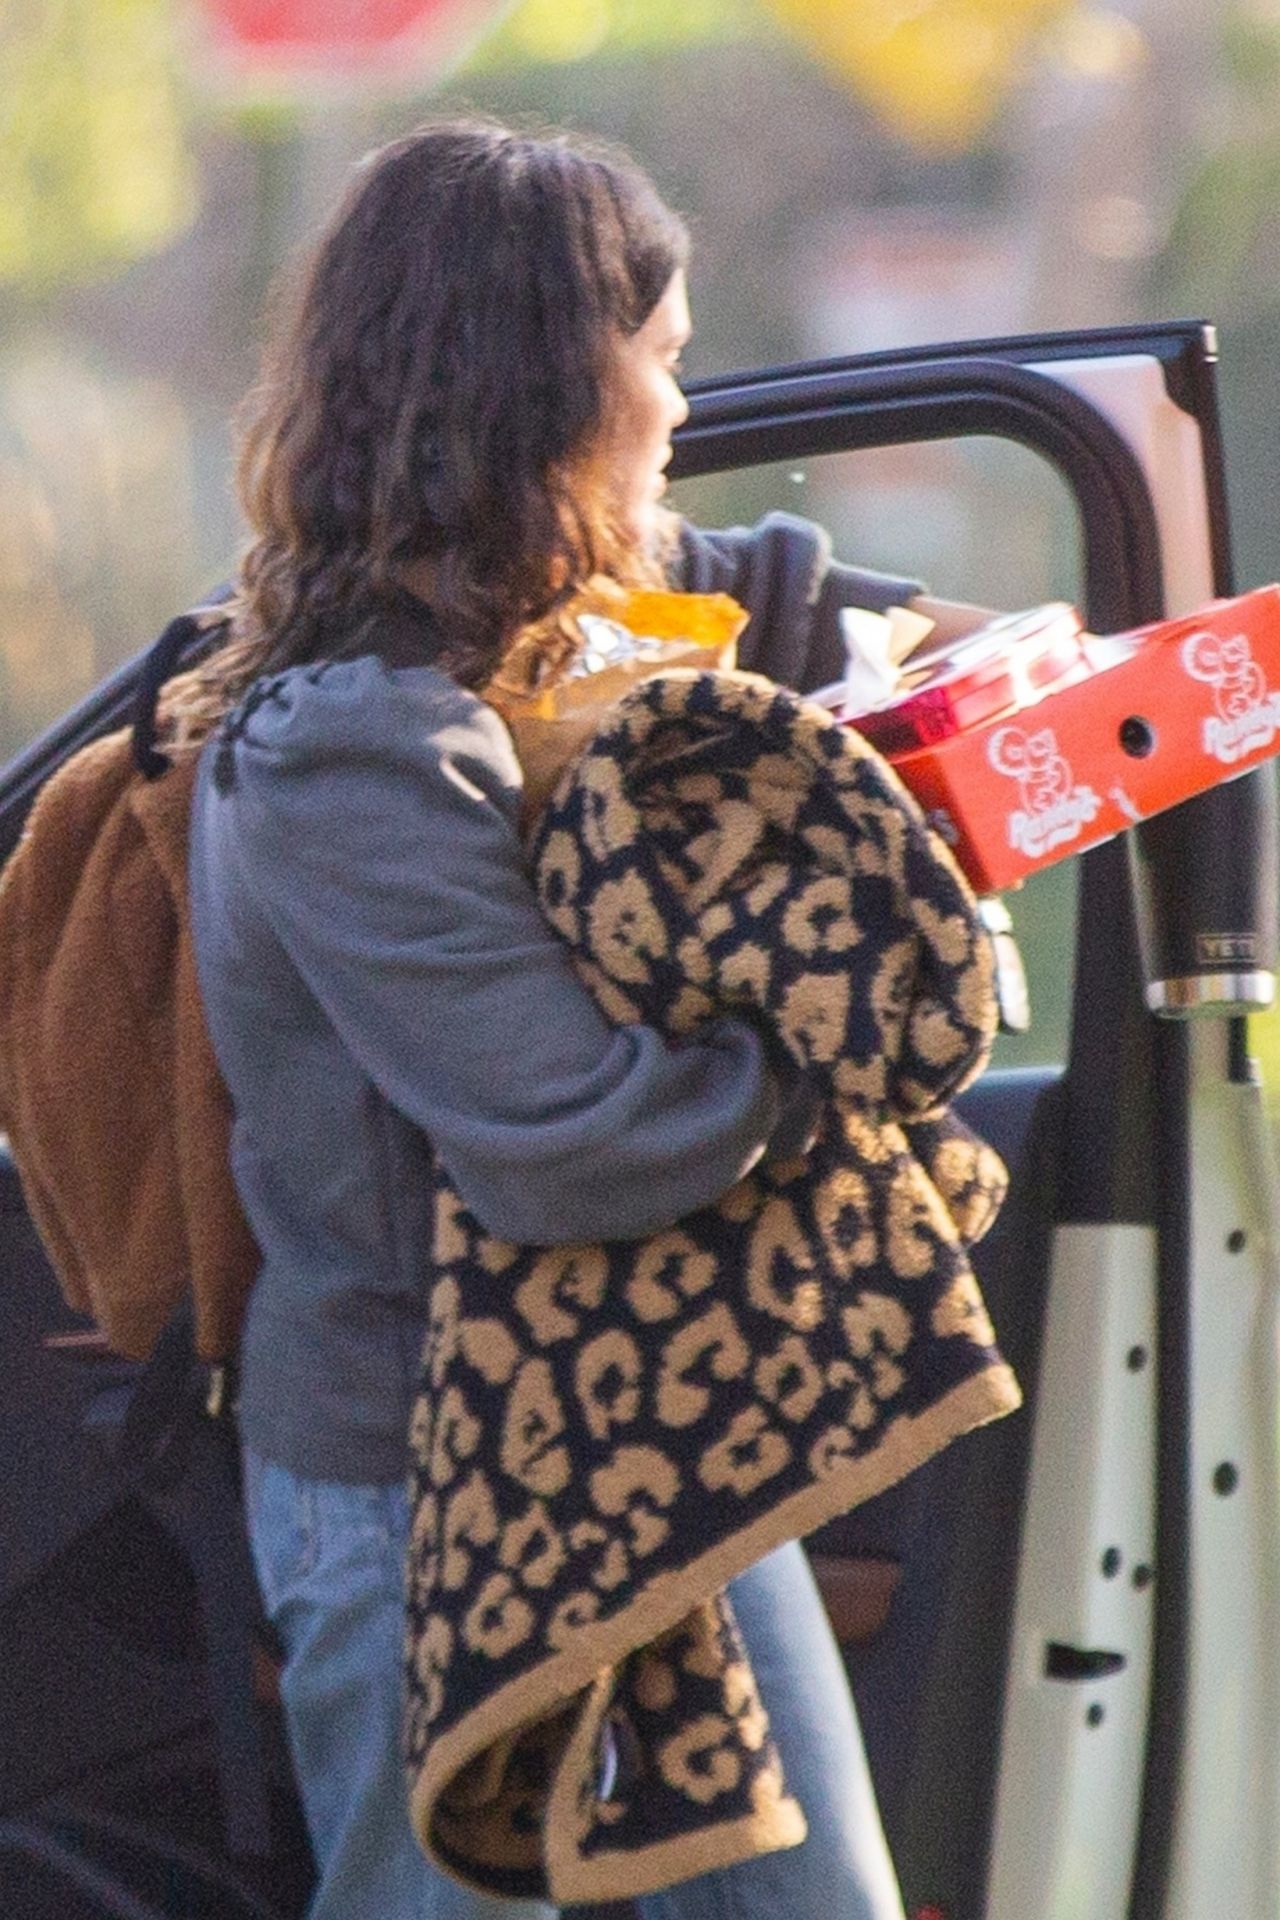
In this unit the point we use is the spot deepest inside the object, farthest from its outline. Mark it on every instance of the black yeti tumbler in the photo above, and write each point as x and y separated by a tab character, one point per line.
1205	880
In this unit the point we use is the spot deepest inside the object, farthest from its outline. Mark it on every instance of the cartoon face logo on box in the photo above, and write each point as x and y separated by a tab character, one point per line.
1055	807
1248	712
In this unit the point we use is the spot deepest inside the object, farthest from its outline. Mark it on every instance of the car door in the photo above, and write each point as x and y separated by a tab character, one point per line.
1088	1735
1067	1700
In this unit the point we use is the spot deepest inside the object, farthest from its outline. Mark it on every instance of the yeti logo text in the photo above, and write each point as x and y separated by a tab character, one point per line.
1054	808
1248	713
1226	949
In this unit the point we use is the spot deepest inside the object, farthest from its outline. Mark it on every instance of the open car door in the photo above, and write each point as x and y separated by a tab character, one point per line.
1070	1703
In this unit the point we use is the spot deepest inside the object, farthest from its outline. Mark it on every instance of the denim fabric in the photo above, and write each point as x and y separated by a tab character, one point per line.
330	1561
842	1871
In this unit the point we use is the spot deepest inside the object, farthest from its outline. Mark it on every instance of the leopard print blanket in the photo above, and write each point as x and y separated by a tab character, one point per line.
607	1434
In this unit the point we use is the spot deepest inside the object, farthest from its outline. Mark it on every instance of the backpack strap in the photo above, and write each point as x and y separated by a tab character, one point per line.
159	662
179	1435
180	1447
186	634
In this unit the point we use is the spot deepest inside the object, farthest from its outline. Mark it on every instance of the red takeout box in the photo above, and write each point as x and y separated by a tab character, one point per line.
1034	740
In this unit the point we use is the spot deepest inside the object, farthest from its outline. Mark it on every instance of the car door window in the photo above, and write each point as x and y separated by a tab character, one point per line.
979	519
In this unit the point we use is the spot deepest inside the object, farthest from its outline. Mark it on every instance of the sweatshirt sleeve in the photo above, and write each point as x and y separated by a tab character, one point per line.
783	573
376	815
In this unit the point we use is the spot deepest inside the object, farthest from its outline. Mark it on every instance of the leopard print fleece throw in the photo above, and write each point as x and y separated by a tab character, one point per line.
606	1435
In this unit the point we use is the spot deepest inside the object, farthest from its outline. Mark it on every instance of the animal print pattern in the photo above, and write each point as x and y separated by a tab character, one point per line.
607	1434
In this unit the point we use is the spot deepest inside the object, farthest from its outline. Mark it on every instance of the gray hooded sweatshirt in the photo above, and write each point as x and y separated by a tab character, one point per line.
381	987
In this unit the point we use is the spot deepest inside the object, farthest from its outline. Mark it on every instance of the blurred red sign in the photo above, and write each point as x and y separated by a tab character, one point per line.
345	36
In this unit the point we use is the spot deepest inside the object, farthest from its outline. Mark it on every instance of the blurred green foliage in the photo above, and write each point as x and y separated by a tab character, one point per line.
566	30
98	98
94	164
1222	252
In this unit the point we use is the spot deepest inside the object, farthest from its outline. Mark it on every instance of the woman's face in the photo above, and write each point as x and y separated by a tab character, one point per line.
647	407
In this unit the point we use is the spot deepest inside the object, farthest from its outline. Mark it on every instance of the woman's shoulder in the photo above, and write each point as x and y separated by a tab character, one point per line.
365	718
350	704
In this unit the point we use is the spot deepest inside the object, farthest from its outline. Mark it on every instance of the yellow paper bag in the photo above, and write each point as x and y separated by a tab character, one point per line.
626	639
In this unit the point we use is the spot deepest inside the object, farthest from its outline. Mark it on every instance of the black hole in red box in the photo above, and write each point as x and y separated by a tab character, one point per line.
1137	736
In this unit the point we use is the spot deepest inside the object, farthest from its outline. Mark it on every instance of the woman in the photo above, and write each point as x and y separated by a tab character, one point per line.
465	415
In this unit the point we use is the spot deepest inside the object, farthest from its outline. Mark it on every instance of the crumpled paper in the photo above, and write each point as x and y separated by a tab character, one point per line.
625	638
878	665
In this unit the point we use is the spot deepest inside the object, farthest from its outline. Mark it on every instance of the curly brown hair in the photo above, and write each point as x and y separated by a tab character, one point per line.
436	377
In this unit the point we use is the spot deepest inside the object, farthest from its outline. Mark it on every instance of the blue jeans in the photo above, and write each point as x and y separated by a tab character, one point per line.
330	1562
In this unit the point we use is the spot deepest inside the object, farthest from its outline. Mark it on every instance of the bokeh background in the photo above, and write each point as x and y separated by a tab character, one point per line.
858	174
